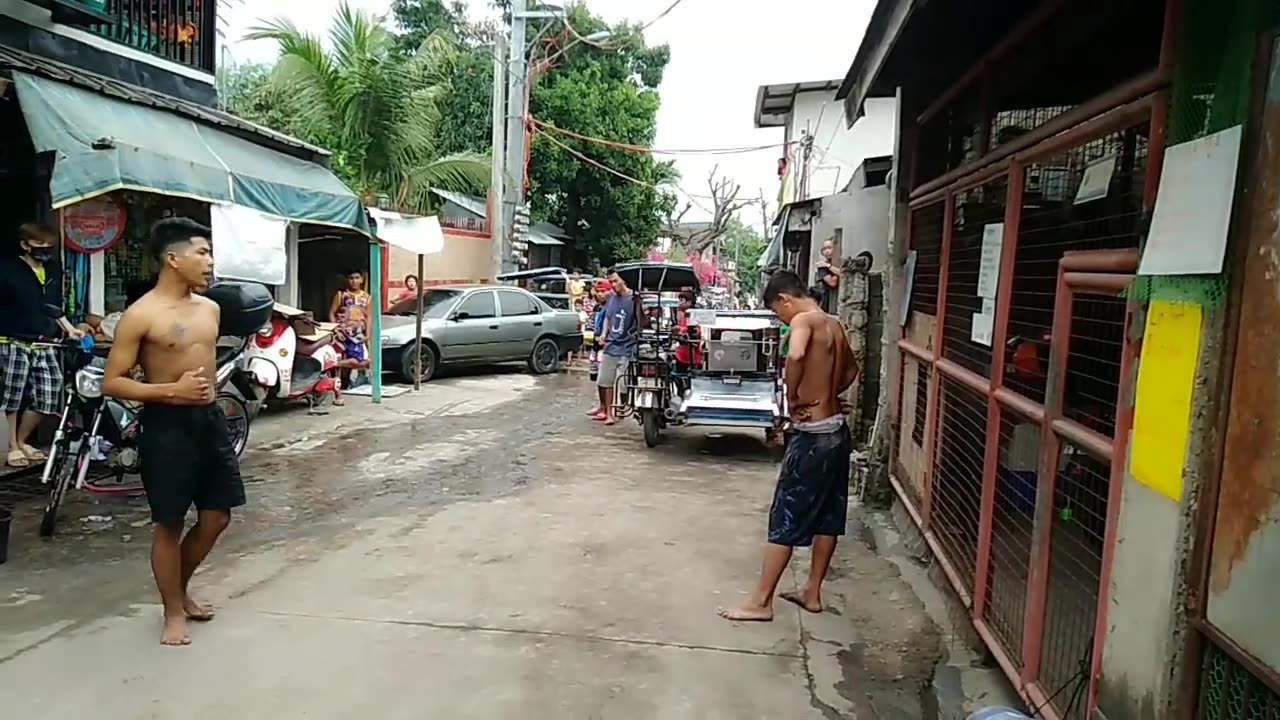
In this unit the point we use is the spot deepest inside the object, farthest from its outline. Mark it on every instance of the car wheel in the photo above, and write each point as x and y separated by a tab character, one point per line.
430	362
545	357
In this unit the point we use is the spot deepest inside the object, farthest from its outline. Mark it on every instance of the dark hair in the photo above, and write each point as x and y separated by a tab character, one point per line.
412	277
355	271
816	294
690	296
30	232
784	282
174	230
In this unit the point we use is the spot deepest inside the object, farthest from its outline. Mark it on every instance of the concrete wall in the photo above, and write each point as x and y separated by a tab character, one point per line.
862	217
465	259
838	150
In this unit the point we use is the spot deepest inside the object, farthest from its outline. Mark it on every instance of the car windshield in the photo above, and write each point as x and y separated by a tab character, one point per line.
435	303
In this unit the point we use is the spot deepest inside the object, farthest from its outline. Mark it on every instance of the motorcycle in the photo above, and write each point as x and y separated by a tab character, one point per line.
283	367
96	430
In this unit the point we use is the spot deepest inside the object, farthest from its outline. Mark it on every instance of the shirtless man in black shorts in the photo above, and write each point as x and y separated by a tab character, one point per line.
810	503
186	453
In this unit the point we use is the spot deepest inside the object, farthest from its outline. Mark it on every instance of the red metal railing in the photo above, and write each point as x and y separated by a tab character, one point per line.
1017	498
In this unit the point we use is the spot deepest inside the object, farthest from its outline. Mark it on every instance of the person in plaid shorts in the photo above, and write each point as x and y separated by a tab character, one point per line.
31	294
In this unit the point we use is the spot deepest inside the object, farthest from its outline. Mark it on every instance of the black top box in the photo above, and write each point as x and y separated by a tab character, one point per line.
246	306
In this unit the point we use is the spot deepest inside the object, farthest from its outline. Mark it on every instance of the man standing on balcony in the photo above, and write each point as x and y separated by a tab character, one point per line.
810	503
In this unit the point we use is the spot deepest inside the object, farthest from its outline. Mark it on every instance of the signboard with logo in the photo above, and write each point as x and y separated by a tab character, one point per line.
93	226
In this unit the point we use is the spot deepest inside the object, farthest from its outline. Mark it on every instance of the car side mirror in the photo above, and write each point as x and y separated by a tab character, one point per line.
460	316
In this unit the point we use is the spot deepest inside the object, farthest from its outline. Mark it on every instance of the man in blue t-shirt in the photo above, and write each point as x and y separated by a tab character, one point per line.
621	336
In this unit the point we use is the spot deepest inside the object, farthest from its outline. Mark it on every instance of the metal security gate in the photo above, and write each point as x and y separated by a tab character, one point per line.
1238	547
1014	365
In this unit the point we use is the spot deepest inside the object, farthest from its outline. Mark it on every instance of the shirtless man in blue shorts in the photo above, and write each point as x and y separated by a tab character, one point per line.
810	504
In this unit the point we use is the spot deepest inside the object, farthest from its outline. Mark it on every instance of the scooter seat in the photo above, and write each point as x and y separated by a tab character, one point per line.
308	348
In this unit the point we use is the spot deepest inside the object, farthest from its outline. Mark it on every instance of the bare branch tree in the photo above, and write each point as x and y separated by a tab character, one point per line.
695	238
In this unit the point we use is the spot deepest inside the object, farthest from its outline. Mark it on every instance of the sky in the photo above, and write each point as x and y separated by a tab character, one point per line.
721	52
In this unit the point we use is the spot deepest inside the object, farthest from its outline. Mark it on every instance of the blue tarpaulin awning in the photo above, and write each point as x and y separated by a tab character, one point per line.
106	143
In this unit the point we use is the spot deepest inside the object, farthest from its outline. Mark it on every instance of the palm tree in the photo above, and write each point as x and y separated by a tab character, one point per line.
377	108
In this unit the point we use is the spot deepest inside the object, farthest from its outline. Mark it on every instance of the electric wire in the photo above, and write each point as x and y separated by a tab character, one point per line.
693	199
656	151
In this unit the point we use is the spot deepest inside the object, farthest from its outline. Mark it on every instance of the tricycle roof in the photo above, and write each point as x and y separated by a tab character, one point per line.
658	277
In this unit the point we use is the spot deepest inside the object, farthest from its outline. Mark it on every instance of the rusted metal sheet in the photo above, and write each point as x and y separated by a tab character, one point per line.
1246	545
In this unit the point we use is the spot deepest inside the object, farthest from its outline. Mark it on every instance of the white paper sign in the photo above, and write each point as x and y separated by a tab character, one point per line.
984	323
989	263
1193	209
248	245
1096	182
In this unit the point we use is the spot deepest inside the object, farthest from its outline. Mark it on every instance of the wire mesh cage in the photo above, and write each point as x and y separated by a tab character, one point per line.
957	480
1012	527
1055	221
1075	568
975	209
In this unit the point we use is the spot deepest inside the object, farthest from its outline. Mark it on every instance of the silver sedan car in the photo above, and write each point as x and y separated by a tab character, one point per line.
478	325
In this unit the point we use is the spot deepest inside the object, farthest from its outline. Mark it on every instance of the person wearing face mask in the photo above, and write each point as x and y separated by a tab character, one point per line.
31	295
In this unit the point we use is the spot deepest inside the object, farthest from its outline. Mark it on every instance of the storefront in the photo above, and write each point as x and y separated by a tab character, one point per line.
105	161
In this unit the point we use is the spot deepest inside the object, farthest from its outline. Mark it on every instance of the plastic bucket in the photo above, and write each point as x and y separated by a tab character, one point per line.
6	520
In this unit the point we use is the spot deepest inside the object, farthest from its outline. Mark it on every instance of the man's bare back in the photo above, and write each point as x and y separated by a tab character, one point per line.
820	366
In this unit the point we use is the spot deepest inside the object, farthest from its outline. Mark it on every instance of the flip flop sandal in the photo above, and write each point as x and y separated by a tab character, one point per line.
17	459
34	454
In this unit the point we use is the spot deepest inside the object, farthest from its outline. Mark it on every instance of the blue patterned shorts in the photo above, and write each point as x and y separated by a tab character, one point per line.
812	497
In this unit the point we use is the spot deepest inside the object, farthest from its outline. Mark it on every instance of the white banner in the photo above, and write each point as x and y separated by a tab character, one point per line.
248	245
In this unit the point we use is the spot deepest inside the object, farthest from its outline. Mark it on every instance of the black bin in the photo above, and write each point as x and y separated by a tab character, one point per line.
246	306
6	520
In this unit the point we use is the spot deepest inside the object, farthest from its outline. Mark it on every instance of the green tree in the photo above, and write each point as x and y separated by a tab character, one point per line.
380	109
743	245
606	92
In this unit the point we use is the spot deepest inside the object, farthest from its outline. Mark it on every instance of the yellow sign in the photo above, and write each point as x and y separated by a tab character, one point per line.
1166	385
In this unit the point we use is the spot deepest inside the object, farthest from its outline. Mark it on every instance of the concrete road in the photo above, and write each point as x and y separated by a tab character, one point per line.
478	550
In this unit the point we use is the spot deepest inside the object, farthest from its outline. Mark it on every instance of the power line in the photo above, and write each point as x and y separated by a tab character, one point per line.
596	163
655	151
605	45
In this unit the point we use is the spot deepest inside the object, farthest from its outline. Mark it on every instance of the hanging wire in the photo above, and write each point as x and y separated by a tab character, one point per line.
596	163
656	151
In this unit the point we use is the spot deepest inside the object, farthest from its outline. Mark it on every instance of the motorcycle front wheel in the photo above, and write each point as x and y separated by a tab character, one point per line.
64	469
237	414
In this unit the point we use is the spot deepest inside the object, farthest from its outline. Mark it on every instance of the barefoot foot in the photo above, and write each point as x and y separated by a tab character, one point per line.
810	604
747	613
175	631
197	611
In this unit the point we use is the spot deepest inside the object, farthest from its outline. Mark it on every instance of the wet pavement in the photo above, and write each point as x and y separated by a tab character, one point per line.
480	549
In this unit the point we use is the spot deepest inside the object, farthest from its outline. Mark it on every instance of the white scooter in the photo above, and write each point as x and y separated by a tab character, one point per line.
284	368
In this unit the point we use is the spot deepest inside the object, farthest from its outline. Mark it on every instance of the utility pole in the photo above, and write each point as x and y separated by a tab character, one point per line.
497	182
806	153
517	96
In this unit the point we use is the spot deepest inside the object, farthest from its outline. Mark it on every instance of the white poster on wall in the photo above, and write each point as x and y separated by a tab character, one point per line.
1193	208
1096	182
984	323
989	261
248	244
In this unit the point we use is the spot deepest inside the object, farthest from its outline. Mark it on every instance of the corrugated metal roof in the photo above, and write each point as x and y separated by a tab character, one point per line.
472	204
774	102
11	59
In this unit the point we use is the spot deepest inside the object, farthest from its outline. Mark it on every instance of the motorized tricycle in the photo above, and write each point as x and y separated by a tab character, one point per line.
736	383
653	383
